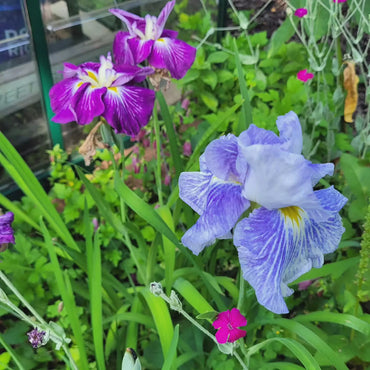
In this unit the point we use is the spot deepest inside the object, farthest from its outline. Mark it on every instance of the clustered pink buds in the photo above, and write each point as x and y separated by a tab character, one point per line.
304	75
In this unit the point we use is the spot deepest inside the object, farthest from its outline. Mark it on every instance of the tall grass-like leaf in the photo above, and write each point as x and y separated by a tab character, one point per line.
171	354
146	212
12	353
133	326
311	338
281	366
65	289
337	318
174	146
162	319
168	248
301	353
93	255
246	113
335	269
191	294
28	183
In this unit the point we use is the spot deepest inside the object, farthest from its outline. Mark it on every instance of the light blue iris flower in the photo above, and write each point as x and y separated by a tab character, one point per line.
294	225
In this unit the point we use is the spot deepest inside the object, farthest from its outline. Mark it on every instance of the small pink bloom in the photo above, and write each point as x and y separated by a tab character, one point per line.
186	149
185	104
301	12
304	284
95	222
228	322
167	179
304	75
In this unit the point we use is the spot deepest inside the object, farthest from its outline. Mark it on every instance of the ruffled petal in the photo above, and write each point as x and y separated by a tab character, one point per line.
225	205
222	320
174	55
61	96
277	178
69	70
6	231
163	16
121	50
236	318
276	247
256	135
87	103
318	171
194	188
236	334
128	108
128	18
127	73
220	156
222	335
290	132
140	48
170	33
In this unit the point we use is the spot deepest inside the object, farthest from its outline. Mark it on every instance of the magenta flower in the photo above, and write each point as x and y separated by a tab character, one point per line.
304	75
227	324
301	12
147	39
101	89
6	231
186	149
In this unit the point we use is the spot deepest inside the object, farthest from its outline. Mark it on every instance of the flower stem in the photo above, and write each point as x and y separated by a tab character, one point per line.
241	291
158	172
21	298
240	361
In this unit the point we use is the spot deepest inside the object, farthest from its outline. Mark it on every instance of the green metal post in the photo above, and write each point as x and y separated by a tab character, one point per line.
41	53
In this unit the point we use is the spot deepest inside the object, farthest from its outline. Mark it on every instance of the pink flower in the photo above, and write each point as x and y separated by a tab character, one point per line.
304	75
301	12
185	104
339	1
186	149
303	285
167	179
228	322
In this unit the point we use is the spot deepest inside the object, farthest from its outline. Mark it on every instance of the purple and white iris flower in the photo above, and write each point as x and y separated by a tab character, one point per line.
293	226
147	39
6	231
102	89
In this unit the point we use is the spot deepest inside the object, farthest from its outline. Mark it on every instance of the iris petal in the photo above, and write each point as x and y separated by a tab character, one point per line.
140	48
163	16
6	231
128	108
174	55
276	248
277	178
121	50
220	156
290	132
225	205
194	189
61	95
87	103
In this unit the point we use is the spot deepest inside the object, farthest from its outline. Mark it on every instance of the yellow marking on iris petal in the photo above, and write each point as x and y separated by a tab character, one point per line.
160	40
79	84
93	76
114	89
293	212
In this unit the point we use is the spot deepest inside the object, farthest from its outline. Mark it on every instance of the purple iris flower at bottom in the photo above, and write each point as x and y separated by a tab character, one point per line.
147	39
6	231
215	193
102	89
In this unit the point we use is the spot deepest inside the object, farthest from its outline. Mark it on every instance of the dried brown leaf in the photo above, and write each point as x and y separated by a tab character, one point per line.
350	82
